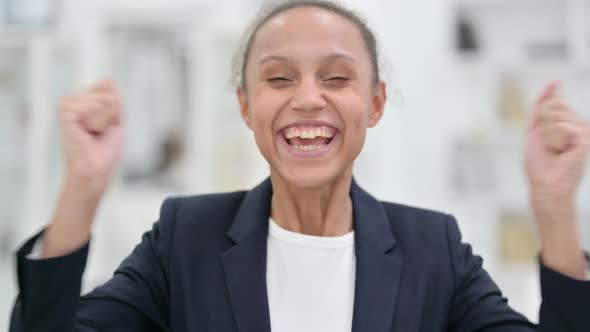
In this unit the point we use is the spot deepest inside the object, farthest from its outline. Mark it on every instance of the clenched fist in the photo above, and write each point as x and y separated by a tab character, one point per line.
93	131
557	147
558	142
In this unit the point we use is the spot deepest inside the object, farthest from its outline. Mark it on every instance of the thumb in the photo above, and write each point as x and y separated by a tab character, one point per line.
550	90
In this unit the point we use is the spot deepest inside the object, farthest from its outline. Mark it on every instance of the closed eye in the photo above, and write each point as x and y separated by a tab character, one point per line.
278	79
280	82
337	78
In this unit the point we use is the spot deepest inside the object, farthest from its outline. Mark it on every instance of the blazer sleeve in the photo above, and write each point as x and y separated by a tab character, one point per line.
478	304
135	299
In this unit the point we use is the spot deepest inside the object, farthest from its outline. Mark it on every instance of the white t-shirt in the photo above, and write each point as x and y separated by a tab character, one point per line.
310	281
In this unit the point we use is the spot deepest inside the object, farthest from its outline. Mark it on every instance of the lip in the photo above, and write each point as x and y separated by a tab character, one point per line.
308	154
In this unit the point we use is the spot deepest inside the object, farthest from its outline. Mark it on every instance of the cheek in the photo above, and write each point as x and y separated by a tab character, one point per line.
356	111
261	106
267	101
360	124
264	111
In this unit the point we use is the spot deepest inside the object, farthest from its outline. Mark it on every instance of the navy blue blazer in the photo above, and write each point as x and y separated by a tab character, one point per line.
203	267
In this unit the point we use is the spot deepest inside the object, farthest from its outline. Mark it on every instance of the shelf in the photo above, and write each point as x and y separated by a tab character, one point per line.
507	2
522	31
468	61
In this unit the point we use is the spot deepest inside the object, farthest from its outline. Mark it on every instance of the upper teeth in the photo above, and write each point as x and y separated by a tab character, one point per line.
322	131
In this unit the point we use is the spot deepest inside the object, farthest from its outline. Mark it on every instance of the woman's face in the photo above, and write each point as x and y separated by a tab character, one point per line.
309	95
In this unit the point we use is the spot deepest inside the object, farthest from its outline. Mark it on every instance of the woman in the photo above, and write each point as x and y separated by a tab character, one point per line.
306	250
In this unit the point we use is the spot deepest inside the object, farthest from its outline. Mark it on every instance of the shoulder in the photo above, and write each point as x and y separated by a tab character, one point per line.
415	226
415	217
412	213
429	240
200	214
216	203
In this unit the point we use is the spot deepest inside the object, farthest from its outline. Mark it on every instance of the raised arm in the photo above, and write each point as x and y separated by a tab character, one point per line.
557	147
136	298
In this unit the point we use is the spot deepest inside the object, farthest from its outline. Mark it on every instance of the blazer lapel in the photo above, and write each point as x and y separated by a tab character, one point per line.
378	267
245	263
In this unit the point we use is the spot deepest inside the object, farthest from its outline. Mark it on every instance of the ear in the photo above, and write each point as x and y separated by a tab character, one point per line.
378	103
244	106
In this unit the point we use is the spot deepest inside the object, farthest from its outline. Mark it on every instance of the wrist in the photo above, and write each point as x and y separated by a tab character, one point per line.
569	263
72	221
87	190
561	246
553	209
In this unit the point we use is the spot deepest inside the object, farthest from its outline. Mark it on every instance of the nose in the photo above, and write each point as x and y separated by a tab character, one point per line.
308	96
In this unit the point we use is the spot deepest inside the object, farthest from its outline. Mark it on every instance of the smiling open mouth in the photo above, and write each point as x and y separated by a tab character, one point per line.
309	138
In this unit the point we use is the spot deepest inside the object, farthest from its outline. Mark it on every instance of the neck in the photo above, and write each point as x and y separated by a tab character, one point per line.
325	210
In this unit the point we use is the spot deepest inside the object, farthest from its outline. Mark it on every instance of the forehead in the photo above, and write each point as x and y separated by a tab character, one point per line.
307	32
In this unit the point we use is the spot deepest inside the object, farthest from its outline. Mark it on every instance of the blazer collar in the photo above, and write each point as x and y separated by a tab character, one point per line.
378	267
253	214
370	221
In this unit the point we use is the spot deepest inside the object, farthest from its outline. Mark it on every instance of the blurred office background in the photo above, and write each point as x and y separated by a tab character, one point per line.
462	76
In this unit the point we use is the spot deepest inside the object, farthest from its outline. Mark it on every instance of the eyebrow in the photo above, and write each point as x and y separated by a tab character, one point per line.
281	58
